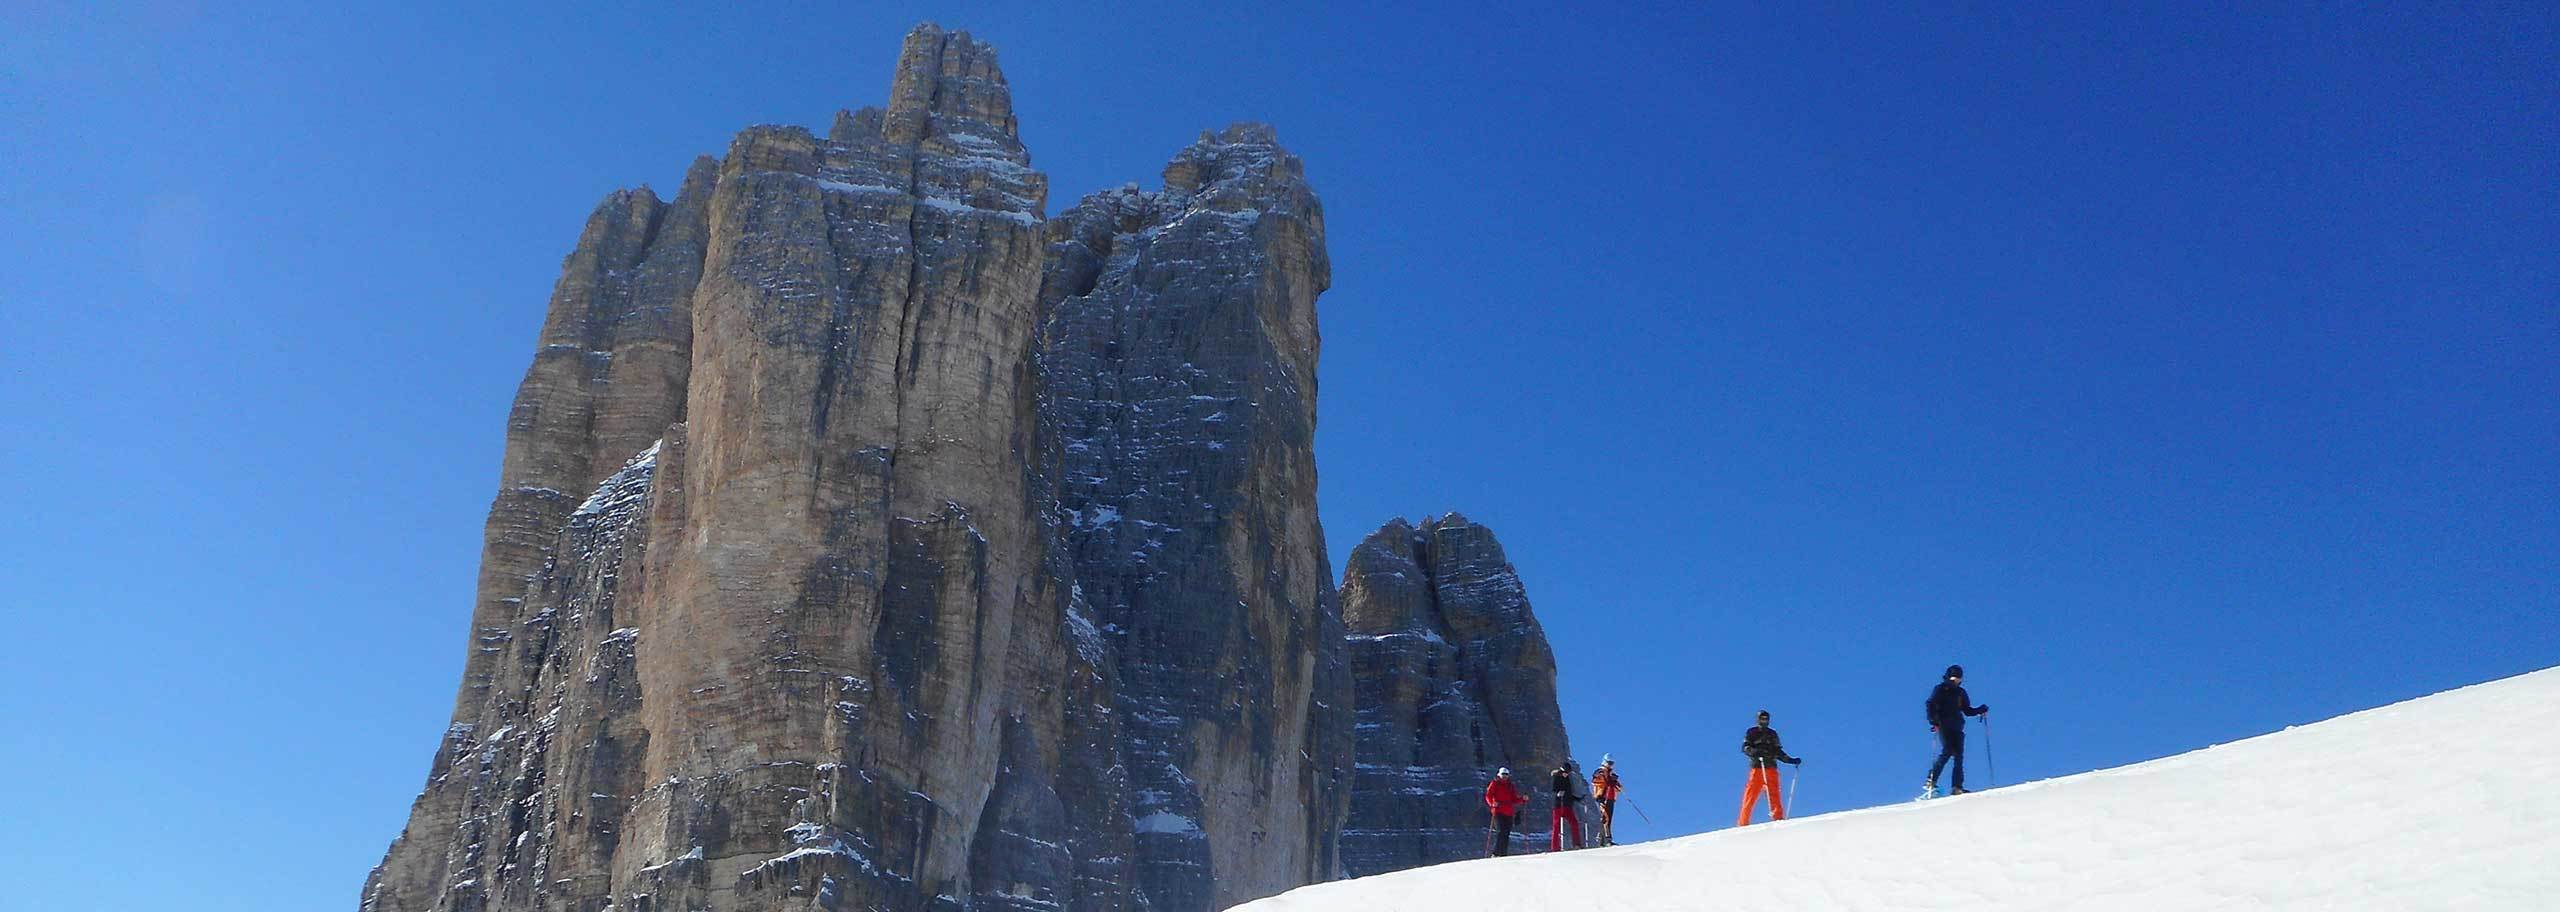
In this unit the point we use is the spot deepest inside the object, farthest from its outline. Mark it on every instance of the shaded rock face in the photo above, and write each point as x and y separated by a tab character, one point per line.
1180	358
1454	681
796	595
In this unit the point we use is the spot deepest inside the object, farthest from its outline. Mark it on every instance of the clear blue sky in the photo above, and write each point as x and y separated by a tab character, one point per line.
2185	374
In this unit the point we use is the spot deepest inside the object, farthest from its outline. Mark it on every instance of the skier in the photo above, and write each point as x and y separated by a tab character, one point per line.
1761	745
1503	799
1948	705
1566	782
1606	787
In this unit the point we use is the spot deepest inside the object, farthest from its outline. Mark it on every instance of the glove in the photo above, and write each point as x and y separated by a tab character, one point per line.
1986	709
1795	761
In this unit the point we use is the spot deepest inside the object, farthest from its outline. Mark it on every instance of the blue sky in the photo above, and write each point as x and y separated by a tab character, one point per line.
2185	374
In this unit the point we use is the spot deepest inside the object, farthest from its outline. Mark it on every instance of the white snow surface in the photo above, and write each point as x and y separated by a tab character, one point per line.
2444	802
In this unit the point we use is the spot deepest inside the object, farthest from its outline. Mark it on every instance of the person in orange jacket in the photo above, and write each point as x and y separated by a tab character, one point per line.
1503	799
1605	787
1761	745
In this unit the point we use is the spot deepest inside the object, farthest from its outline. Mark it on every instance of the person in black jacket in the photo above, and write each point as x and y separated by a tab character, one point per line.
1566	783
1948	705
1761	745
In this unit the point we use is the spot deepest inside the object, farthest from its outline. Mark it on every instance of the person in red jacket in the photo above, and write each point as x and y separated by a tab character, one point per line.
1503	799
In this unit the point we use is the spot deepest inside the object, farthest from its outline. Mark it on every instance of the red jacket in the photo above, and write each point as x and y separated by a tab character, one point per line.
1503	797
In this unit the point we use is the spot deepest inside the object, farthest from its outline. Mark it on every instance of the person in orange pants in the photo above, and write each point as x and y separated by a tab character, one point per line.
1761	745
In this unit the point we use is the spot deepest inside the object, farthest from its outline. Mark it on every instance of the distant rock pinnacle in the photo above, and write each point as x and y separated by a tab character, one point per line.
1454	681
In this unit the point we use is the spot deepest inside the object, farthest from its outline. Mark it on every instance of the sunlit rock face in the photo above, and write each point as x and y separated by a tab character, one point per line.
1454	681
868	540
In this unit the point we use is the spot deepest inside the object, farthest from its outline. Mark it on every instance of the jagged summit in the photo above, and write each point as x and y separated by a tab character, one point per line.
952	79
1462	561
1241	152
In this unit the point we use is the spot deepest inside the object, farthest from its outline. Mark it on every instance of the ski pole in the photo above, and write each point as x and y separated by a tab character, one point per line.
1989	760
1639	809
1795	788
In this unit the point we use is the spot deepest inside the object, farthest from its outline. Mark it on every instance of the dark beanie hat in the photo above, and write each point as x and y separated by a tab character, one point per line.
1955	671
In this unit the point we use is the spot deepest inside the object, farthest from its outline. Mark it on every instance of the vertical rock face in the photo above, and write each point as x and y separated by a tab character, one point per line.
797	594
1180	356
608	378
1454	681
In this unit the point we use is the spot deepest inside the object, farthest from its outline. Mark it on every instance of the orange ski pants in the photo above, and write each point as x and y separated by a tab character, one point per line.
1761	779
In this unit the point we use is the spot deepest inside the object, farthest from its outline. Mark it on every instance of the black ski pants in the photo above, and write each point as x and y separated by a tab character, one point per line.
1950	747
1502	824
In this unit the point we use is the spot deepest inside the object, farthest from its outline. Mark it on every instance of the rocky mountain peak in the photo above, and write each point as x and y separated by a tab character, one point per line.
948	83
1228	168
865	540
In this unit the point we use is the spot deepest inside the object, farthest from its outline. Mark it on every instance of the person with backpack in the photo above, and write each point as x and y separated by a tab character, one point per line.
1948	705
1503	799
1761	745
1566	782
1605	787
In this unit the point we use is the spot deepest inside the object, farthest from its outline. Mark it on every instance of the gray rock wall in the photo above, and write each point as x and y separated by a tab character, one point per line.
1454	681
1180	360
796	595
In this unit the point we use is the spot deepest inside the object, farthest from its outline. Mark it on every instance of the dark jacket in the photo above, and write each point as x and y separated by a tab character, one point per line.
1566	785
1949	704
1761	745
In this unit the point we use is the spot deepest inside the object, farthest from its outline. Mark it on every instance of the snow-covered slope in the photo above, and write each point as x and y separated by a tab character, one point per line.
2445	802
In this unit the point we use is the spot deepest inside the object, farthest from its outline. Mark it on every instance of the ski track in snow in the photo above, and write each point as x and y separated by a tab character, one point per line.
2446	802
